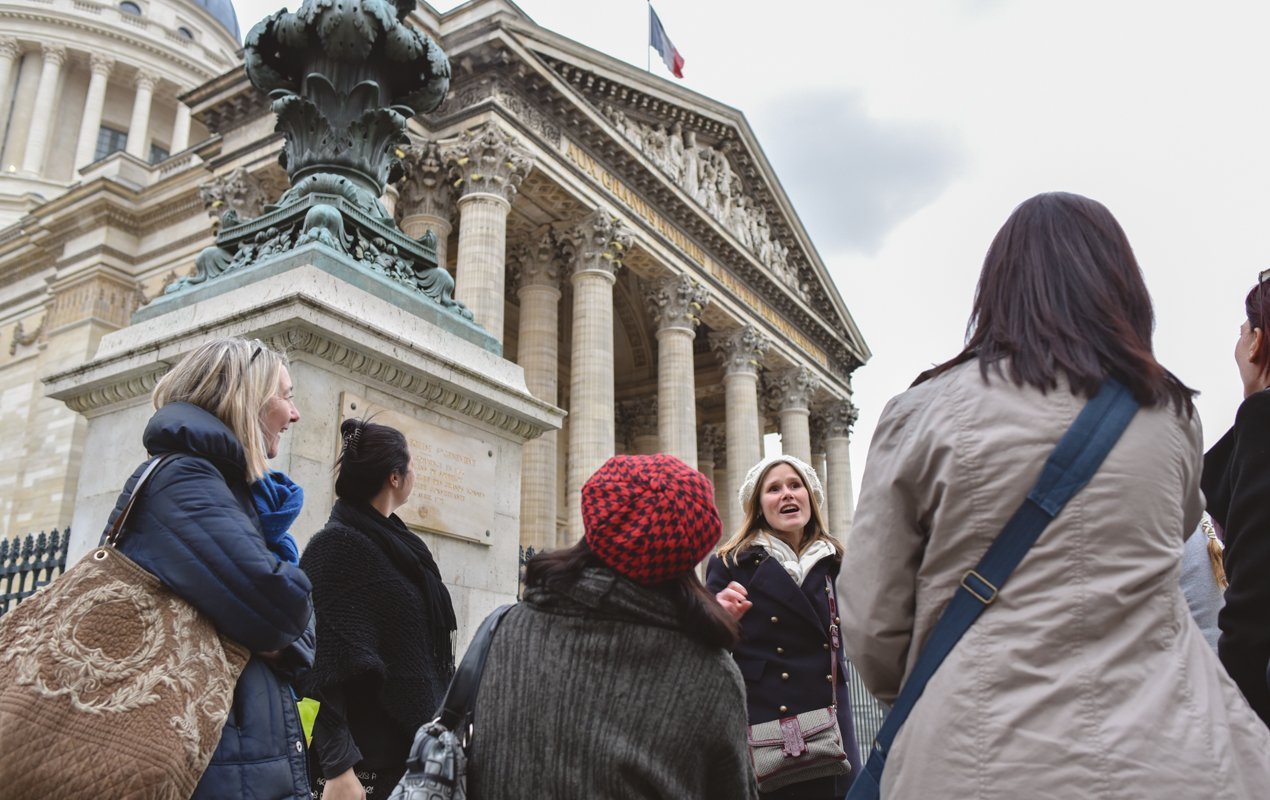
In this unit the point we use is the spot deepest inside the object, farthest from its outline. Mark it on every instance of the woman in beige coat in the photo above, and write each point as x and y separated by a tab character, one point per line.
1087	677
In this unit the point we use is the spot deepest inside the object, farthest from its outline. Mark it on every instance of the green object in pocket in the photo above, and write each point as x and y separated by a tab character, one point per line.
308	713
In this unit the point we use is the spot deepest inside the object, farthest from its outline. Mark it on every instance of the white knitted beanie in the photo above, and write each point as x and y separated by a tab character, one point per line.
809	476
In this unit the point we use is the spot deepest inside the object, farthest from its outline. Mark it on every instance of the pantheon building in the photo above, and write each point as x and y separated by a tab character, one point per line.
623	238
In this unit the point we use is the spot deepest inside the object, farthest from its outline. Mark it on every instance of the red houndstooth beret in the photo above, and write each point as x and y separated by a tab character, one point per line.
650	518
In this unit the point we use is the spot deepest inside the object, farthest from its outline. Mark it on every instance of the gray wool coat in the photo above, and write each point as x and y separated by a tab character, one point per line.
592	691
1087	676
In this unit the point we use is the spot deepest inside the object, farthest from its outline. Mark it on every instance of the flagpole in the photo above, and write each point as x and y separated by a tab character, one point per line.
648	45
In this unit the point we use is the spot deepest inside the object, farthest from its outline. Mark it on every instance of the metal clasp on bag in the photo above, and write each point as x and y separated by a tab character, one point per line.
983	590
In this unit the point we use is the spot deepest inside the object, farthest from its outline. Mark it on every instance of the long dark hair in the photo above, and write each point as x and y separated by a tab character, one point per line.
1257	308
1062	293
369	454
700	615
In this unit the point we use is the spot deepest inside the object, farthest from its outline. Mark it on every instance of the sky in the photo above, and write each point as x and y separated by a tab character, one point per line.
904	133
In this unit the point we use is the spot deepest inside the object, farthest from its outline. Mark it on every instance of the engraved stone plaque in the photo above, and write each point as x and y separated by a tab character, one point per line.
454	474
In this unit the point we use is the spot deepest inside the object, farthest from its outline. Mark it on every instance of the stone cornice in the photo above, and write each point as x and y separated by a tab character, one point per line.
306	331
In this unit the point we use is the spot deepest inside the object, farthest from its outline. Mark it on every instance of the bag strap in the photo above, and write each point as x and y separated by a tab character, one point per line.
1069	467
116	530
835	642
457	704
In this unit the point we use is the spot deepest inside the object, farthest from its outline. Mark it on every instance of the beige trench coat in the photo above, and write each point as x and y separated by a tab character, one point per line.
1087	678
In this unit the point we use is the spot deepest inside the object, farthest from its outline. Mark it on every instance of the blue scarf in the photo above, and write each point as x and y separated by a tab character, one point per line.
278	500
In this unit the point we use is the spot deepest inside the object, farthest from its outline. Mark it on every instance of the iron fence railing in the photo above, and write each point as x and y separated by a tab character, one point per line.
29	562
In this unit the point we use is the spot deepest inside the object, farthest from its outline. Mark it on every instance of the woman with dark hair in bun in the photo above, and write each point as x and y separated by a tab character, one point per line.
385	623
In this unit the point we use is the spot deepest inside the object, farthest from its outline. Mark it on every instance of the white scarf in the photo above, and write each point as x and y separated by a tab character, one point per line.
797	566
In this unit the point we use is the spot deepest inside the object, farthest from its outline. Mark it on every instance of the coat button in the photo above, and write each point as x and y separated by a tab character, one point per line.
780	651
784	709
826	645
775	620
837	621
299	746
829	678
784	676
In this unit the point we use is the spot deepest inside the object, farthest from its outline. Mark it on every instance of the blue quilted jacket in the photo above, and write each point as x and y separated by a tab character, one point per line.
195	528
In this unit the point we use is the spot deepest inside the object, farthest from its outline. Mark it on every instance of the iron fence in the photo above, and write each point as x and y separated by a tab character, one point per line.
29	562
866	712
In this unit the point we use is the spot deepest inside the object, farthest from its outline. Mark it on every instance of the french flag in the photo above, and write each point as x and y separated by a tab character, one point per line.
659	41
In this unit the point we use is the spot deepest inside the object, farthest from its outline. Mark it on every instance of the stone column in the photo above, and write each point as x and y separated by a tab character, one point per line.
94	103
637	426
487	165
595	248
42	112
676	303
426	197
840	416
139	126
790	392
741	351
537	270
710	444
9	52
181	127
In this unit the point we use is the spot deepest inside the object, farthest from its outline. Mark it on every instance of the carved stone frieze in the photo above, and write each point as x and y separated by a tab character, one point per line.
676	301
708	176
472	93
596	243
239	194
740	349
23	339
791	388
486	159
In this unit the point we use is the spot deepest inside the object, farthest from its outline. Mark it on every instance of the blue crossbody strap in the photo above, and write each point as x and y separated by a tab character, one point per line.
1070	466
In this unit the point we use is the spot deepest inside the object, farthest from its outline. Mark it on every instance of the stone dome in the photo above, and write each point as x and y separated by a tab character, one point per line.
223	11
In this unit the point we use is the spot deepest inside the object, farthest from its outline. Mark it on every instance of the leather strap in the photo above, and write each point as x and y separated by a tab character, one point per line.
116	530
835	643
1069	467
457	705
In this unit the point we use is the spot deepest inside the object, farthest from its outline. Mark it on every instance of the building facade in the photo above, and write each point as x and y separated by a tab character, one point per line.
622	237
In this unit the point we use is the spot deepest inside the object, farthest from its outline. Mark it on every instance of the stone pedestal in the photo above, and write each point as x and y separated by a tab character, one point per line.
364	344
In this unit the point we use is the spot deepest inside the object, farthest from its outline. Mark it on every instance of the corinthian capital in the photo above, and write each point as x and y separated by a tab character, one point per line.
486	159
740	349
711	441
597	243
792	388
99	64
146	80
537	262
53	54
424	189
9	47
676	301
840	417
635	418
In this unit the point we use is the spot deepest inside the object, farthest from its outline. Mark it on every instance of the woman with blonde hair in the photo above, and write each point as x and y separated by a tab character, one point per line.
212	524
776	576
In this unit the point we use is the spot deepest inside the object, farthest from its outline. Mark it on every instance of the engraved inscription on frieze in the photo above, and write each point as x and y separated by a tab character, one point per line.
454	474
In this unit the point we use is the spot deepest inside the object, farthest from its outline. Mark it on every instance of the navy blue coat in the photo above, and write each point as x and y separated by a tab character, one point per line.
784	649
195	528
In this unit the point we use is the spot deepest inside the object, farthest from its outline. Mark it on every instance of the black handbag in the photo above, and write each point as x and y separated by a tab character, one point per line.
437	766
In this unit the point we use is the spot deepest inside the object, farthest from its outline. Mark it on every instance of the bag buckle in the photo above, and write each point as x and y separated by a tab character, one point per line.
792	743
979	586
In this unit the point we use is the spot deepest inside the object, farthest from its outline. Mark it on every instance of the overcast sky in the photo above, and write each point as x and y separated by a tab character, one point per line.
905	132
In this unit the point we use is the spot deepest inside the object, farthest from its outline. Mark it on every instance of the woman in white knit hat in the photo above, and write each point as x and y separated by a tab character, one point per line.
776	576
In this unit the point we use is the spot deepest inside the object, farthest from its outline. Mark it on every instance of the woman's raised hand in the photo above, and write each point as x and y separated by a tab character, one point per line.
733	598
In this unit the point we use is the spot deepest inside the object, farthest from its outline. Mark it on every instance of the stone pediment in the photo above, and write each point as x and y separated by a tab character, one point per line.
695	160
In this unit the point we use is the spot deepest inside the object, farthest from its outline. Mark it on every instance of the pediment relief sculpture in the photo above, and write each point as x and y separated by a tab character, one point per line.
706	174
